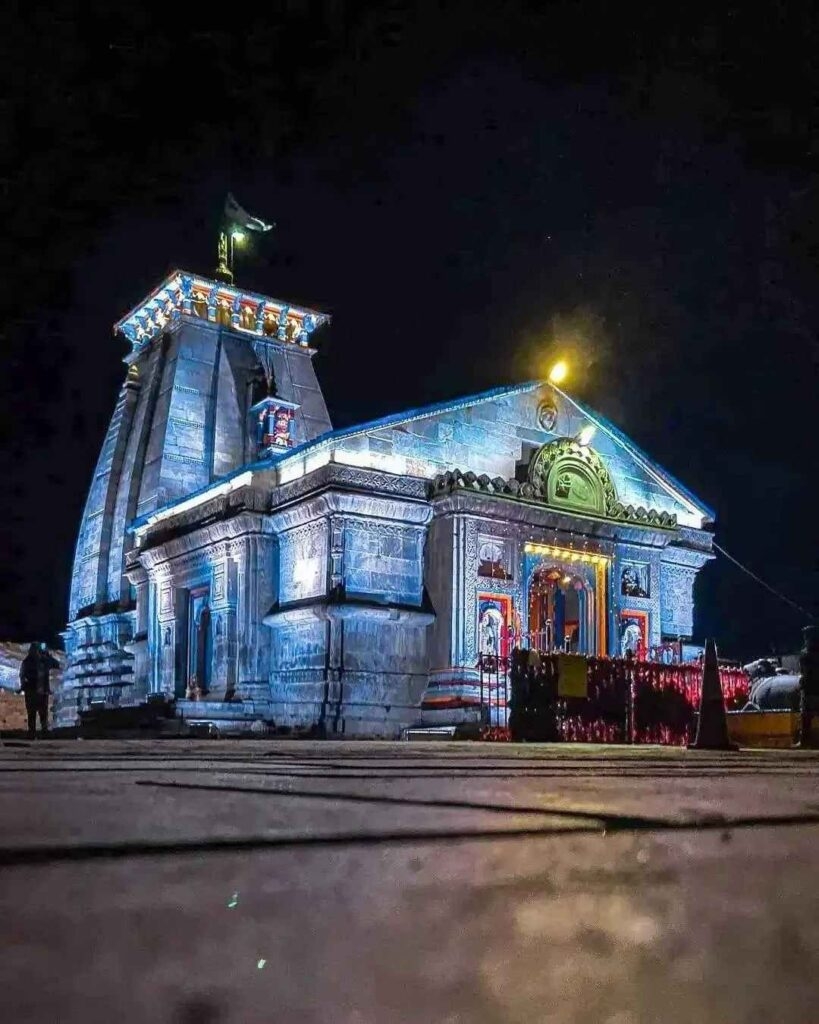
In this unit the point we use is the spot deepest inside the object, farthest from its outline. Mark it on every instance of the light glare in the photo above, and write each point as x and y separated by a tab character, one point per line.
559	372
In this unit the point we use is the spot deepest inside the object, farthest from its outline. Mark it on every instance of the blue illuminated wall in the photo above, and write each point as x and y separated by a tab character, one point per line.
179	424
384	562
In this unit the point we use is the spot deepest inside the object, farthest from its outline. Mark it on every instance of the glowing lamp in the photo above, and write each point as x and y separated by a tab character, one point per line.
559	372
238	236
586	434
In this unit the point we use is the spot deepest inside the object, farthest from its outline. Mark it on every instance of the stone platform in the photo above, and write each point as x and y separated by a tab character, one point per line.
205	882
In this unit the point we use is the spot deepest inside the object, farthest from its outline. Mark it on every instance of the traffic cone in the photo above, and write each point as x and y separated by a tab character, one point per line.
712	728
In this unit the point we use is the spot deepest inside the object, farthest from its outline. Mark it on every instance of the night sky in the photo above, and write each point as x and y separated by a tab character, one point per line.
470	192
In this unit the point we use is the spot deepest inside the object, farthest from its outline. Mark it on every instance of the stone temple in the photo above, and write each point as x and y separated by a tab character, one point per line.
260	569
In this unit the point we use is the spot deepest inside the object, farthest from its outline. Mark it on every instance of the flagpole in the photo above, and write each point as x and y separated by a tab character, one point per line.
224	270
235	222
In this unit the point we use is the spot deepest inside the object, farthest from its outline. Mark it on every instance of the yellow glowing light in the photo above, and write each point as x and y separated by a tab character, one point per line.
566	553
559	372
238	236
566	579
586	434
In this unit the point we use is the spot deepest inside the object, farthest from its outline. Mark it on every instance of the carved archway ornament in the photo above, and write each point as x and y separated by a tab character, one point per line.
562	474
572	475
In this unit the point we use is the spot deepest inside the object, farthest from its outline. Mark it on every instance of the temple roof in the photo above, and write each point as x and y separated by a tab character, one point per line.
329	439
185	294
436	408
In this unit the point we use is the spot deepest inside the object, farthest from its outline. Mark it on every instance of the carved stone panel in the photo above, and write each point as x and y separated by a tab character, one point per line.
303	554
677	599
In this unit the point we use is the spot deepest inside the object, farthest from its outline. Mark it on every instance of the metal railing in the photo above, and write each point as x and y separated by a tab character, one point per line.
627	701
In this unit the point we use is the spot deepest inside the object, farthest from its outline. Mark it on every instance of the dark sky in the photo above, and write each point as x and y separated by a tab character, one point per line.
468	192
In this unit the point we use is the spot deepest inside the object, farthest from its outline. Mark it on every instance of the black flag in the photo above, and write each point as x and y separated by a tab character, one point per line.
238	216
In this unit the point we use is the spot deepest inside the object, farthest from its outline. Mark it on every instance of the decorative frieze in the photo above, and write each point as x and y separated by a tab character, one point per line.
189	295
535	492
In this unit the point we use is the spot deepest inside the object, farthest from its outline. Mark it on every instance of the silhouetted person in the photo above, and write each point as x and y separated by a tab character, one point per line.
35	684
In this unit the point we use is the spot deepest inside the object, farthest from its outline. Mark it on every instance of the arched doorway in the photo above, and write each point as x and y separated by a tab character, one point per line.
560	606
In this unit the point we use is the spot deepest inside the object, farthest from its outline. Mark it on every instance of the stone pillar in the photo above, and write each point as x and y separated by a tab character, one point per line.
223	600
336	554
257	594
139	644
453	646
164	658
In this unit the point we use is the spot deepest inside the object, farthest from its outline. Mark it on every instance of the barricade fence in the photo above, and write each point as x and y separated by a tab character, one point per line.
528	697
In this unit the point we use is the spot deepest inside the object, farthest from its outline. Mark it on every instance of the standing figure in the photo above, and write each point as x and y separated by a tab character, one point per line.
35	684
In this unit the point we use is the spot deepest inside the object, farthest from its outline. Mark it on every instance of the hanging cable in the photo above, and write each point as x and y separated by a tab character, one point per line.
767	586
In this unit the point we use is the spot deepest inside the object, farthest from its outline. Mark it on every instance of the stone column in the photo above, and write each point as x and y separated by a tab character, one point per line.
256	596
139	644
453	643
223	599
167	637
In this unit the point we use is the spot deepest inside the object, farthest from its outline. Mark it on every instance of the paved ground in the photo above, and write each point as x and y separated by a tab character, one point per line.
215	881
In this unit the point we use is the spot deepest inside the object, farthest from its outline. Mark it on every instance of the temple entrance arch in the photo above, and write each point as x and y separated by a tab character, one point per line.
562	606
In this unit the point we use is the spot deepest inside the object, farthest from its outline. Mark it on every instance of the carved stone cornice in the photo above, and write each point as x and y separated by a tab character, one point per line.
676	554
324	610
184	295
347	503
534	490
340	477
210	540
251	498
537	515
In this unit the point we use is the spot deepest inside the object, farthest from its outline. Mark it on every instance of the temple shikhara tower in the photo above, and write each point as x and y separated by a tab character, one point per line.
242	558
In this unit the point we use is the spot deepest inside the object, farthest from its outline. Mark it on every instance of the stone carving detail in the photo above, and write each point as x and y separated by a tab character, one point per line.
585	469
547	415
218	584
577	466
495	559
676	598
367	479
337	552
470	593
303	561
200	298
166	609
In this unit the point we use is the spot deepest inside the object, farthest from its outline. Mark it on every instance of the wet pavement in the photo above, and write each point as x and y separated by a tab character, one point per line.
243	881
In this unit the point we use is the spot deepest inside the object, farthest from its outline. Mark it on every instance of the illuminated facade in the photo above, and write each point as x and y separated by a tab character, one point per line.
238	555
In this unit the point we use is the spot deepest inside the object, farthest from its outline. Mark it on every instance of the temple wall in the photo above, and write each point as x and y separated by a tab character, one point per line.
303	552
644	562
296	381
678	572
383	561
349	655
